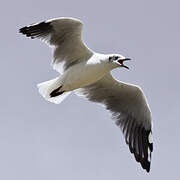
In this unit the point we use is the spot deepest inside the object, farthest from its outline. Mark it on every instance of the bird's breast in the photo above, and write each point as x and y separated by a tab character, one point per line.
83	74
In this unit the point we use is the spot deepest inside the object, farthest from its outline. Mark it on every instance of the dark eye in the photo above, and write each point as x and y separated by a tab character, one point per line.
110	58
116	57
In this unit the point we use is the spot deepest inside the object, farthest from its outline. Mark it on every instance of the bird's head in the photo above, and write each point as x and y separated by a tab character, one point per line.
117	60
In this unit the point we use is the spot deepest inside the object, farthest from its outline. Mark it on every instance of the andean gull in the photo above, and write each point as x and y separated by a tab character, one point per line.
89	74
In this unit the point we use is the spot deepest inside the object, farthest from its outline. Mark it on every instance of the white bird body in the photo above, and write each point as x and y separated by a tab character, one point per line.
89	72
85	73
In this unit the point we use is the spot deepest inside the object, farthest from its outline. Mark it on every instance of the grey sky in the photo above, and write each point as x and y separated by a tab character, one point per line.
77	139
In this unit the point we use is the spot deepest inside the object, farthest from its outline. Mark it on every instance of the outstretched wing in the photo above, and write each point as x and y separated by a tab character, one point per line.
65	35
130	112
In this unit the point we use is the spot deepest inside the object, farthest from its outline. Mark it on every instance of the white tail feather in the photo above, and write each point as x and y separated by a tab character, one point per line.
45	88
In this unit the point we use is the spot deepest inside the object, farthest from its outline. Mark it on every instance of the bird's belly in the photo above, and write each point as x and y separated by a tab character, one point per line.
80	76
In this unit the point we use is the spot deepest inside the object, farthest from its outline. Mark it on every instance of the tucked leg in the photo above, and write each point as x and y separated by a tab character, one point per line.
56	92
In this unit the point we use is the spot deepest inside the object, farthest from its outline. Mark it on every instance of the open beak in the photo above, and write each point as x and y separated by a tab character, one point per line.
121	61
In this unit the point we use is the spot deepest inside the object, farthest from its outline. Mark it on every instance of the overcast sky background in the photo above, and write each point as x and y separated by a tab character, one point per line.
77	139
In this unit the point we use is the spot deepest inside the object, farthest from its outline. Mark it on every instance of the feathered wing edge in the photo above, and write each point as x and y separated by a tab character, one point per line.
138	138
40	30
64	35
130	112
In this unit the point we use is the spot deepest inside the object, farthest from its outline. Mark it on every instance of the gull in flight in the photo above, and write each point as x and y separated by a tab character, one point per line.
88	74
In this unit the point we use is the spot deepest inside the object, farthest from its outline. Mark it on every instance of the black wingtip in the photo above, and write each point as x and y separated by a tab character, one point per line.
140	143
146	165
25	31
22	30
146	161
36	30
